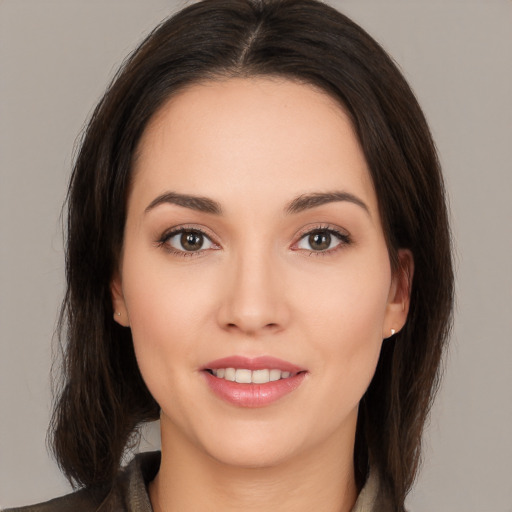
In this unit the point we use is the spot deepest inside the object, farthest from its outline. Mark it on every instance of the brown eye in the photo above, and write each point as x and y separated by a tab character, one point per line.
320	241
188	241
323	240
191	240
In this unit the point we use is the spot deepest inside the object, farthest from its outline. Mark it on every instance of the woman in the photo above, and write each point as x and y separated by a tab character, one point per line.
258	254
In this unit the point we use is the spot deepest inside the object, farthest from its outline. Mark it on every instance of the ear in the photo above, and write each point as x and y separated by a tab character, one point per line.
118	302
399	294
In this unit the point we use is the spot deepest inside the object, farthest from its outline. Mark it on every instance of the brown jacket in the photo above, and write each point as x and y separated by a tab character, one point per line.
129	493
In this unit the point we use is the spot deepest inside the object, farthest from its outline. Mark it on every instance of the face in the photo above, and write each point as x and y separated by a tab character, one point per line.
253	251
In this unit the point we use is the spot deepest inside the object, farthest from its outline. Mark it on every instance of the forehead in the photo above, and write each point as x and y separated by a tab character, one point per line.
241	138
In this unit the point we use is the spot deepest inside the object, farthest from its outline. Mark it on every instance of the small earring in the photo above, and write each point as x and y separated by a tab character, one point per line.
117	313
392	332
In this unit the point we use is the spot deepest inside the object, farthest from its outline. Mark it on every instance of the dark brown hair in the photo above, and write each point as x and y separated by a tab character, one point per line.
103	398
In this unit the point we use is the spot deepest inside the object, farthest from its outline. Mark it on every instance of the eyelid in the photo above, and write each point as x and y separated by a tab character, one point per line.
341	234
176	230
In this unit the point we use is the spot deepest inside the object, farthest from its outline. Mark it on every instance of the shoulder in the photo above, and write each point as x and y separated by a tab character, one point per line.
129	489
85	500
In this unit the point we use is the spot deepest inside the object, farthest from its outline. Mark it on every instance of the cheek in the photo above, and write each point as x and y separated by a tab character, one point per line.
343	314
347	301
171	308
164	309
161	299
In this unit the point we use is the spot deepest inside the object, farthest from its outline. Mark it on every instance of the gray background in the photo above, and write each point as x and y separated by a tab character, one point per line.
56	57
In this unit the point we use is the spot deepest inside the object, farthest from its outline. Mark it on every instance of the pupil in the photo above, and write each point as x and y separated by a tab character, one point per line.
320	241
191	241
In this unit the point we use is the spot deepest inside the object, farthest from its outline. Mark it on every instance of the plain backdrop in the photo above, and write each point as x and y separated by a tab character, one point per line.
56	57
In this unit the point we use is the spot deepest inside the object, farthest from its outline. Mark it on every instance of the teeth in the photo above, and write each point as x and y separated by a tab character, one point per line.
230	374
275	375
260	376
244	376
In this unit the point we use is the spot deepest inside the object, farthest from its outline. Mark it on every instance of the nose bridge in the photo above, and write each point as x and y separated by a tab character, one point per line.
254	298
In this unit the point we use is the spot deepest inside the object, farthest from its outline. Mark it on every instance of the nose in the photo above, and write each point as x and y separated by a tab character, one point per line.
254	298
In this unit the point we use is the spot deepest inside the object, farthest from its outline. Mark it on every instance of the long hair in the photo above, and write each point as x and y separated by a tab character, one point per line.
103	398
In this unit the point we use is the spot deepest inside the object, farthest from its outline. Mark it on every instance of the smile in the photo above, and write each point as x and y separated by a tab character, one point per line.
252	382
244	376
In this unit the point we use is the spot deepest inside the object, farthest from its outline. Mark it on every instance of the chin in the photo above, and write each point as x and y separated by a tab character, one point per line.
249	455
252	443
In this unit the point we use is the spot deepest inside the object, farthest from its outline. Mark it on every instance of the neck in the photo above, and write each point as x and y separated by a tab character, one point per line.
190	480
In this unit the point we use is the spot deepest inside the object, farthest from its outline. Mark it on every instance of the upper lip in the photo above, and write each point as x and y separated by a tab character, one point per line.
256	363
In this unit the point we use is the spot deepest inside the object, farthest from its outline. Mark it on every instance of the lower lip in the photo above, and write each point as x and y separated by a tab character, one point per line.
253	395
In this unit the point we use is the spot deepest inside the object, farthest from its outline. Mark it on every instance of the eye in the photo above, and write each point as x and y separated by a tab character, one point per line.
183	241
322	240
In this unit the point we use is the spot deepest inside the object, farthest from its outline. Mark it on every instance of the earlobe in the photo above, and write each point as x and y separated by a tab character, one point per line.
399	294
118	302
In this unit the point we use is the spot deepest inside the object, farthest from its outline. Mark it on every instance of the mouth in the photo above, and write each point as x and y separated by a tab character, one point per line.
246	382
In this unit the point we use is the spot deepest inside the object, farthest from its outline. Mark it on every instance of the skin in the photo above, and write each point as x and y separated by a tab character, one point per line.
256	287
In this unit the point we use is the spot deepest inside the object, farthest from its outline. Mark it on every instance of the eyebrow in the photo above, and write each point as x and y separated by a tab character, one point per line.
201	204
307	201
297	205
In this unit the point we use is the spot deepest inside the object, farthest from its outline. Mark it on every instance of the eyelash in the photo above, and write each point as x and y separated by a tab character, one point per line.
343	238
164	239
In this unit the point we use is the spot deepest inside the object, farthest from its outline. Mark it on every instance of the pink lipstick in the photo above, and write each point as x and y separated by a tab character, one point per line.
252	382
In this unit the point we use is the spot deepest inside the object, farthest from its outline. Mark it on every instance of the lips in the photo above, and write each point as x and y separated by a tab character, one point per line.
257	382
